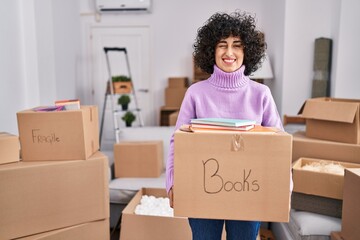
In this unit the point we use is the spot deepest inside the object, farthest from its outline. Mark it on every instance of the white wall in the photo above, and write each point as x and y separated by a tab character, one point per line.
44	47
347	80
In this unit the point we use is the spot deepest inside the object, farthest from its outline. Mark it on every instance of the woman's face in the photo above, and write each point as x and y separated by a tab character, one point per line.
229	54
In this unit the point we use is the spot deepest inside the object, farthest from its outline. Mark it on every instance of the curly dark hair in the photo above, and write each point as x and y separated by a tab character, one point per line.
222	25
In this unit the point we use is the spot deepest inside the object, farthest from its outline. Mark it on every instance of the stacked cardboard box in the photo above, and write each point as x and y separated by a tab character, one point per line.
138	159
333	134
65	195
174	94
199	74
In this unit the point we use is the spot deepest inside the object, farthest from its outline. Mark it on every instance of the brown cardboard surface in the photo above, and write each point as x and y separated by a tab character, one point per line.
335	236
142	227
174	96
173	118
97	230
314	148
138	159
61	135
178	82
242	176
319	183
333	119
351	209
9	148
47	195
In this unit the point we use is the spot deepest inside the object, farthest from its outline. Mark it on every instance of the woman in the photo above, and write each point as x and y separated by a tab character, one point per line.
228	47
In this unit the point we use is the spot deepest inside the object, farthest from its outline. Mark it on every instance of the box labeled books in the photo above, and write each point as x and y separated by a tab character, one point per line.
232	175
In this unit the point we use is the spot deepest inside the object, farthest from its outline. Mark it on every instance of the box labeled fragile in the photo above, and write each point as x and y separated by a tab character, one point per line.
304	146
318	182
333	119
351	208
46	195
9	148
140	159
239	176
58	135
144	227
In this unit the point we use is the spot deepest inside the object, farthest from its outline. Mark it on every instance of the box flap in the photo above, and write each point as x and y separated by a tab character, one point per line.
331	110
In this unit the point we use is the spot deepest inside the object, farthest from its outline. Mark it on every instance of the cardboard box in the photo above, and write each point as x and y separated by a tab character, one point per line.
174	97
178	82
314	148
143	227
240	176
173	118
165	113
47	195
319	183
333	119
138	159
89	231
9	148
60	135
351	209
335	236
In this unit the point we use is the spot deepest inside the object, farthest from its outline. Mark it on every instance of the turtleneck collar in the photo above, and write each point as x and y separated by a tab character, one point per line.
222	79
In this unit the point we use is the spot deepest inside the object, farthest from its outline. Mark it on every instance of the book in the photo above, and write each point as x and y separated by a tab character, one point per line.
257	129
223	122
68	104
216	127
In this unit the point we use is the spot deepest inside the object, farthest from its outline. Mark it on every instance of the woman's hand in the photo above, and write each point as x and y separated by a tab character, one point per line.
171	197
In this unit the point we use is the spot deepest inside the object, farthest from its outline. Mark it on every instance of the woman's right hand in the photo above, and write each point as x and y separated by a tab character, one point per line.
171	197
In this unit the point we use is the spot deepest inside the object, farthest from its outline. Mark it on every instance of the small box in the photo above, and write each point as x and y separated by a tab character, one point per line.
238	176
319	183
315	148
333	119
351	208
173	118
122	87
42	196
9	148
90	231
178	82
335	236
140	159
58	135
165	113
174	97
143	227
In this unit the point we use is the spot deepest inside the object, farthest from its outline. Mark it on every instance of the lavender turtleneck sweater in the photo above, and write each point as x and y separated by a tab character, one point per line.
225	95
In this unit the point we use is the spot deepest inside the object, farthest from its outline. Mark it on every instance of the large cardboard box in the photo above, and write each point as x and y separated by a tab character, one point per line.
138	159
143	227
240	176
351	208
47	195
314	148
9	148
333	119
58	135
174	97
319	183
97	230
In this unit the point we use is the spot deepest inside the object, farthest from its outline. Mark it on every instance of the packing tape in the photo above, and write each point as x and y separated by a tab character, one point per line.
237	143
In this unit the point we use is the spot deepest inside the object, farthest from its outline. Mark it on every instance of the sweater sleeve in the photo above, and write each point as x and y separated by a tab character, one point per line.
186	113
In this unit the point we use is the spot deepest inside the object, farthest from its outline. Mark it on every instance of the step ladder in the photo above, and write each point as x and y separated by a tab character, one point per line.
110	92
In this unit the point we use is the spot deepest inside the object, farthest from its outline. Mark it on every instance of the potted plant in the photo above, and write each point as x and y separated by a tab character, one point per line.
121	84
128	118
124	101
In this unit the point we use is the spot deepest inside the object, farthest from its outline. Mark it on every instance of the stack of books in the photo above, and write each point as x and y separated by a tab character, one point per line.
222	124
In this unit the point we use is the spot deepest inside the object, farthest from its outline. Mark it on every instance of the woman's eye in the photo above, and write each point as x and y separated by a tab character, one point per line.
238	46
222	46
